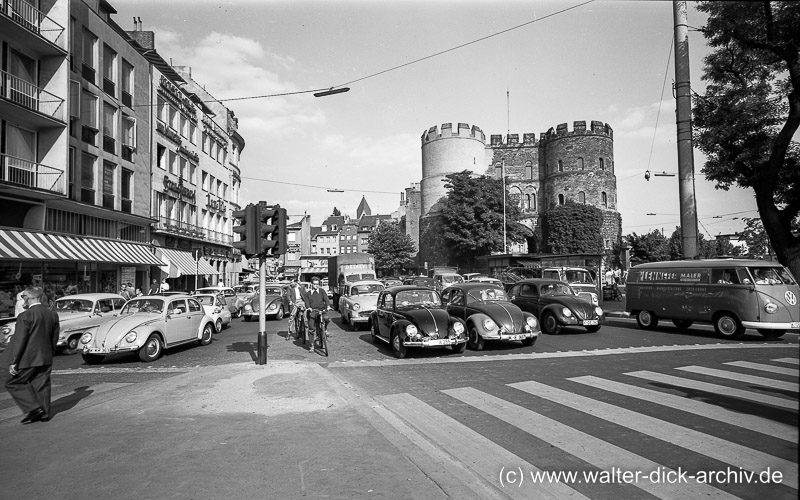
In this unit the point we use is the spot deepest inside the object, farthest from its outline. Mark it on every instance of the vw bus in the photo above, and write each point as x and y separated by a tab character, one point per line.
731	294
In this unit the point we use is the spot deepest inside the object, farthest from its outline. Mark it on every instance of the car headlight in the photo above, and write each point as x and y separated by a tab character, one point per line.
5	330
130	338
489	325
566	312
411	330
356	306
458	327
531	322
599	311
771	307
248	307
272	306
86	338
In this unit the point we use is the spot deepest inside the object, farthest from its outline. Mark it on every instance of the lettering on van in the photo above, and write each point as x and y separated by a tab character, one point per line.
674	276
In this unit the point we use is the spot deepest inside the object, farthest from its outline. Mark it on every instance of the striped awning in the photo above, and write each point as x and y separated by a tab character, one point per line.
28	245
179	262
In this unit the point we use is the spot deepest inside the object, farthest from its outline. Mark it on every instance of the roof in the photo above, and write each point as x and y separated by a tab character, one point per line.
363	208
704	263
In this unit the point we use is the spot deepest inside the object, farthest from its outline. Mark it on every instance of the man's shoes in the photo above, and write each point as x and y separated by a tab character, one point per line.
35	416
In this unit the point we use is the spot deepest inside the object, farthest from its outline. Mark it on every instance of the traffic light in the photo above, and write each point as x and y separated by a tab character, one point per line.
272	229
248	230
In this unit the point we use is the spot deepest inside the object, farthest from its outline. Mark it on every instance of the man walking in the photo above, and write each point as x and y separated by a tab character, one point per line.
30	353
319	304
298	299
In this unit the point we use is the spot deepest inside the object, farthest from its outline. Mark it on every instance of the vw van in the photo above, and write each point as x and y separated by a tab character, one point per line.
731	294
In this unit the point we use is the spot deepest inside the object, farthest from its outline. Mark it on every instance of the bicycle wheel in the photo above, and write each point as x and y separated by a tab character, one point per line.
323	336
303	334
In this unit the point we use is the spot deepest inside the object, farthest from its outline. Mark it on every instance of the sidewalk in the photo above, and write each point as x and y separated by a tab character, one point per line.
287	429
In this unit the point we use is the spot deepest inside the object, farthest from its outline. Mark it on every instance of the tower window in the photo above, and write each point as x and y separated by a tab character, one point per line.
604	199
528	171
602	164
580	163
560	166
582	197
561	199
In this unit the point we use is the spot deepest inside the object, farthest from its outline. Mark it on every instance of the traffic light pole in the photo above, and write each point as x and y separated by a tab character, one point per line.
262	308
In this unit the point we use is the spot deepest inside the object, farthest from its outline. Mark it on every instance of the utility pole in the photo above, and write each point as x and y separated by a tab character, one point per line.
503	175
683	97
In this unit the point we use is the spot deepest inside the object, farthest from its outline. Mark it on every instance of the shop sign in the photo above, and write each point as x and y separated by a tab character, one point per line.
177	187
184	103
215	203
167	132
128	274
189	153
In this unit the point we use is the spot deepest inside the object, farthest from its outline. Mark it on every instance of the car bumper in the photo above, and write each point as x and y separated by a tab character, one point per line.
433	342
102	351
758	325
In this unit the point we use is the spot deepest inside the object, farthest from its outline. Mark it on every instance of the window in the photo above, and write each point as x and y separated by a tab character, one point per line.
192	133
125	189
109	75
533	201
204	142
161	155
184	123
498	172
108	184
182	173
560	166
528	171
128	137
173	117
89	109
89	53
527	205
74	105
173	162
109	128
602	164
582	197
87	178
561	199
579	163
205	180
162	109
127	84
192	173
604	200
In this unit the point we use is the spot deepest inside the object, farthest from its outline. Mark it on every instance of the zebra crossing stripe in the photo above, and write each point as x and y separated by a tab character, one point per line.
683	403
698	442
742	377
482	455
715	389
791	361
601	454
766	368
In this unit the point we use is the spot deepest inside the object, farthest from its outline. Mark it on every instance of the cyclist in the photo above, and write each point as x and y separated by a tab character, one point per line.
318	305
298	300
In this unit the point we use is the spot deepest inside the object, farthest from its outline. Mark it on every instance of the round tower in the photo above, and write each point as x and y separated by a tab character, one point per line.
446	153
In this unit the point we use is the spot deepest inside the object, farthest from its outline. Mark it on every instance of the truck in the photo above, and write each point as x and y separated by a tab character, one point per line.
348	268
579	278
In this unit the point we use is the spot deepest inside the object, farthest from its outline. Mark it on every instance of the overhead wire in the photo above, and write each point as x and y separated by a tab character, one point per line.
317	187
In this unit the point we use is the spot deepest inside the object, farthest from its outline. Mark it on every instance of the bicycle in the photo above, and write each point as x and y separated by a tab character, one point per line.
320	328
300	324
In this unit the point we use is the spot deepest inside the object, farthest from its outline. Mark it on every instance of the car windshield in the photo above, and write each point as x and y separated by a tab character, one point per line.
424	282
488	294
556	289
143	306
206	300
412	298
73	305
273	290
452	278
578	276
772	276
366	289
243	289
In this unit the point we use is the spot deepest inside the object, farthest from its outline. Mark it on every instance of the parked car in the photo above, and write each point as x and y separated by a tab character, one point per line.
235	306
388	282
555	304
276	301
76	314
214	305
420	281
147	325
357	302
413	316
489	315
244	292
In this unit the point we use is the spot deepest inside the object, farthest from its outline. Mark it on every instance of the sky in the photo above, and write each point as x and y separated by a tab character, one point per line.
516	66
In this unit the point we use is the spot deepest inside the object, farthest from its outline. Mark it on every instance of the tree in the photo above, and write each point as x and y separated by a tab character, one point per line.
751	111
472	217
336	212
573	228
651	247
756	239
393	249
706	249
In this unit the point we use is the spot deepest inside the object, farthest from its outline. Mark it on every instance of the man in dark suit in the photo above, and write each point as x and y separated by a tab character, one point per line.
30	354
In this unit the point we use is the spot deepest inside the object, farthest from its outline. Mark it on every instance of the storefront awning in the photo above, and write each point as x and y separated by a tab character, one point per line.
178	262
314	270
28	245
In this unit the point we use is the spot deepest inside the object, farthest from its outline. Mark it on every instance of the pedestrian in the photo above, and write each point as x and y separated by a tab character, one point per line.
617	275
155	289
19	304
298	300
164	285
139	292
318	302
30	355
609	277
125	293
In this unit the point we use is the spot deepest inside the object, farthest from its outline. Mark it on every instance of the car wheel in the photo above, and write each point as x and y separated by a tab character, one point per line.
550	324
398	347
728	326
373	331
73	341
218	325
771	334
647	320
92	359
682	324
459	348
475	340
207	331
593	328
151	350
279	314
529	341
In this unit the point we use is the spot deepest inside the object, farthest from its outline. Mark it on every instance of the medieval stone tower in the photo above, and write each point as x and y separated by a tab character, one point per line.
562	165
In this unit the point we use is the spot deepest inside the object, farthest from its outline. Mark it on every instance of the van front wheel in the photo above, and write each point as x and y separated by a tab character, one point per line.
647	320
771	334
728	326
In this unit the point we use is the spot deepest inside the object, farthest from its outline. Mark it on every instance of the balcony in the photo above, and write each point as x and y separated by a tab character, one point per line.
32	175
87	195
89	135
27	95
109	87
108	201
109	144
187	230
127	100
126	205
127	153
88	73
28	19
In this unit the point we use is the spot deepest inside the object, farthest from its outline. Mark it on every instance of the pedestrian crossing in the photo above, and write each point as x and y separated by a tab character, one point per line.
669	411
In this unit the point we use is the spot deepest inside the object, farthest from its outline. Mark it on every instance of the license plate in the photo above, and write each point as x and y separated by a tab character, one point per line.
515	337
440	342
590	322
795	324
99	350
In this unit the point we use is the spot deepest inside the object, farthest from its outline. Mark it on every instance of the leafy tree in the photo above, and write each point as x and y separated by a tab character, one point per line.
472	217
573	228
705	249
336	212
433	248
756	239
650	247
751	111
393	249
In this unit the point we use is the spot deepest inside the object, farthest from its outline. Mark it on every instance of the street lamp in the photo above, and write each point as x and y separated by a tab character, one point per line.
331	91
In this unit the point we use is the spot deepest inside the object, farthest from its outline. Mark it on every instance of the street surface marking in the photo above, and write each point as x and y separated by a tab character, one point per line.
149	369
716	389
93	390
741	377
601	454
482	455
550	355
791	361
685	403
766	368
705	444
